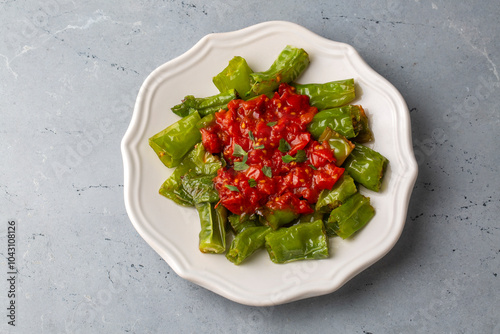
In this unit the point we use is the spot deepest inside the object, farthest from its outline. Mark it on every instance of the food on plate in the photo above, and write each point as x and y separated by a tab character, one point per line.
247	242
197	162
271	163
349	217
173	143
366	167
274	166
213	221
329	199
235	76
290	63
341	146
303	241
204	106
328	95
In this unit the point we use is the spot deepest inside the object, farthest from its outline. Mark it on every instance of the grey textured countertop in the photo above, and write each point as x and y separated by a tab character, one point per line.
70	72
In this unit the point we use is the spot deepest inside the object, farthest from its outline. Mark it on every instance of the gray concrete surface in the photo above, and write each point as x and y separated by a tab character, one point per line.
69	74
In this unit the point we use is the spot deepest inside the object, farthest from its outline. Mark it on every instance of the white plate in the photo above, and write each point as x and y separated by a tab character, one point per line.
172	230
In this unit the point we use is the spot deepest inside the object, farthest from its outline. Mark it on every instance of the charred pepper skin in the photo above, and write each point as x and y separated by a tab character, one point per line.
365	134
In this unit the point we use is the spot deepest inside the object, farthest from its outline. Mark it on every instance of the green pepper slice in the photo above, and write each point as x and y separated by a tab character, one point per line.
204	105
199	162
235	76
310	217
299	242
172	143
351	216
328	95
200	187
342	120
341	146
246	243
172	187
290	63
212	237
329	199
366	167
365	134
206	121
277	218
239	223
205	163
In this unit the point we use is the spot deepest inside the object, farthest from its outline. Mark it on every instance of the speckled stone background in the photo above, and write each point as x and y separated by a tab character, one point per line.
69	75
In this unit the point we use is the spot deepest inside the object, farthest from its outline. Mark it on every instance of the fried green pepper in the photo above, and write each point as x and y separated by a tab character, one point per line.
172	187
329	199
342	120
205	163
206	121
204	105
246	243
341	146
290	63
310	217
212	237
299	242
277	218
172	143
239	223
351	216
235	76
328	95
197	161
200	187
365	134
366	167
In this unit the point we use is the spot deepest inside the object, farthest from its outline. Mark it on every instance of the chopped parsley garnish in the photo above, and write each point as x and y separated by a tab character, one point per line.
252	183
299	157
267	171
250	135
241	165
284	146
232	188
238	151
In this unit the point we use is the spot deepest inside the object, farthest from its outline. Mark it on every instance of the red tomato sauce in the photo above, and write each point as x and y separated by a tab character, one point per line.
265	176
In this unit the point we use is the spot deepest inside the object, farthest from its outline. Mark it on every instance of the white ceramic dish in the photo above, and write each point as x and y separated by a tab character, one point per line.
172	230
